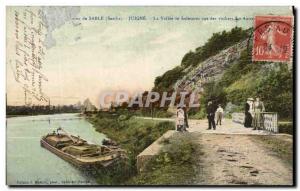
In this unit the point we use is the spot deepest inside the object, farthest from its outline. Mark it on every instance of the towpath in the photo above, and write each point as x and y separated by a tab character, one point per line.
232	155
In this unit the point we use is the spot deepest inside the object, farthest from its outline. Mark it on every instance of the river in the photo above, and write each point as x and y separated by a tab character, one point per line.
28	163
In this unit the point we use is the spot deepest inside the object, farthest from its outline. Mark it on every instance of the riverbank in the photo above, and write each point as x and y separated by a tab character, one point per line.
133	135
175	163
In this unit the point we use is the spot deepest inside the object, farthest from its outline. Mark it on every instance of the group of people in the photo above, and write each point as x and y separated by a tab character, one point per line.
253	113
211	113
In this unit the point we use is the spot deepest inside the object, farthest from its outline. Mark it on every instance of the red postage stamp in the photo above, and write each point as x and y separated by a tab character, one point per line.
273	38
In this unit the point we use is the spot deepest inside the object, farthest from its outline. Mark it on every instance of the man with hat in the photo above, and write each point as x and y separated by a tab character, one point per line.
211	115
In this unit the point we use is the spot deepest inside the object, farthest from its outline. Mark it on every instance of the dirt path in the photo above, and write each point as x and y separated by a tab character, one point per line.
237	159
230	155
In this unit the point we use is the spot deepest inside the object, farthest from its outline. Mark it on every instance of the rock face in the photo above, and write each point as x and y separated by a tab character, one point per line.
210	69
144	157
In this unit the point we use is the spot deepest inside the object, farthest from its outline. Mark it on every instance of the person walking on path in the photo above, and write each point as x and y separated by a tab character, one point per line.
219	112
211	115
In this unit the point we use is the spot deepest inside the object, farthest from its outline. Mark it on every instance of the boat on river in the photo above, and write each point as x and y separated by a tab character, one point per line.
79	152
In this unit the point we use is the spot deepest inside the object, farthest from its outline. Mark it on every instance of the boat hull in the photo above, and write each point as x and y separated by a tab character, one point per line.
75	161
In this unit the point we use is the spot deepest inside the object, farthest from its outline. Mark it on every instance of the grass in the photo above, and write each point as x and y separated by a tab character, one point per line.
197	114
133	135
285	127
173	166
157	113
280	146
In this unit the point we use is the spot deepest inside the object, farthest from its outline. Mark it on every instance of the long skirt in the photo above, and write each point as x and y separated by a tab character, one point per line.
257	120
248	120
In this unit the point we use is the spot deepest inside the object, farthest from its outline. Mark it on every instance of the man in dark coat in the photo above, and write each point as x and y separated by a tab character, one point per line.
211	115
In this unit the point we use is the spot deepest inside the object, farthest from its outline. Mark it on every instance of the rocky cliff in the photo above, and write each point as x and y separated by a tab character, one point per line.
210	69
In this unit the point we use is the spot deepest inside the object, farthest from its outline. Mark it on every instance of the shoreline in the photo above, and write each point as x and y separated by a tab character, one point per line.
12	116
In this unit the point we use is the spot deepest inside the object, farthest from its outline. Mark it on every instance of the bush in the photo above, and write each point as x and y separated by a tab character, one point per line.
285	127
165	82
123	117
216	43
276	90
201	114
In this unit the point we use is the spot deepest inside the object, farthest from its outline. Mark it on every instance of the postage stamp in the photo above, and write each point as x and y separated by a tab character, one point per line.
273	38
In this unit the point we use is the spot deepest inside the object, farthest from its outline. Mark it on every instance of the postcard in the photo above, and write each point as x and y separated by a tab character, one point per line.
150	96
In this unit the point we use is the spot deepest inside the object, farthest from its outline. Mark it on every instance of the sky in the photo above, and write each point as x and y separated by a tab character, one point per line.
86	58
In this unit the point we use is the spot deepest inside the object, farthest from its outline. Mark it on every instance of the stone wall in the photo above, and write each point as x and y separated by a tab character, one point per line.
153	150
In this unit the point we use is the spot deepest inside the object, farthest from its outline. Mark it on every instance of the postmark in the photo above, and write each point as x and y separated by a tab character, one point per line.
273	37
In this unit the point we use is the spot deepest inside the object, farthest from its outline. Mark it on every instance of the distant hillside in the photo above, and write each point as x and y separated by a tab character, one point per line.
222	70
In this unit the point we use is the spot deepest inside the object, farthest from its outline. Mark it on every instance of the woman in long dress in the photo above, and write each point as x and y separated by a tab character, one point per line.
258	109
248	115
